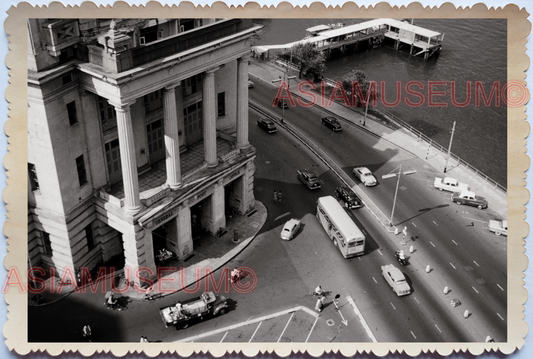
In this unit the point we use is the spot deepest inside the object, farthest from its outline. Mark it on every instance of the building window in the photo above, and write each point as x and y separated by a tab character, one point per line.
192	85
90	237
153	101
34	181
47	244
82	173
108	115
72	114
221	101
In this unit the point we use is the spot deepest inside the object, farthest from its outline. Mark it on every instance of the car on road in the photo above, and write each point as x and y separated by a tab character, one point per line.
470	199
332	123
283	104
498	227
250	84
365	176
309	179
351	200
396	280
267	125
290	229
450	184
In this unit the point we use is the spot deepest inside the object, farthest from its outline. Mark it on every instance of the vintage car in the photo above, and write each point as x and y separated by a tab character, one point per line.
365	176
250	84
498	227
351	200
267	125
181	314
450	184
290	229
332	123
396	279
469	198
309	179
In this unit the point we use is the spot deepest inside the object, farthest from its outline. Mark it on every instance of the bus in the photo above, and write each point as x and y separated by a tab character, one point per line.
340	227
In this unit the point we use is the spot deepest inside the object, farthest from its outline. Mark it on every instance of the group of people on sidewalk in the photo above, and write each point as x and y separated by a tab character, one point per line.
278	196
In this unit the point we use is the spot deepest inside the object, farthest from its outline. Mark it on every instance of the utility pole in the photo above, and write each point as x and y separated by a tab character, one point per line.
391	174
449	148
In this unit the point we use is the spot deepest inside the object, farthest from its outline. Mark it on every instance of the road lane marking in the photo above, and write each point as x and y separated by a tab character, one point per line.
284	329
500	287
393	305
374	279
475	290
361	319
435	223
313	327
224	337
431	243
436	326
413	334
413	223
476	263
500	316
454	242
416	300
253	335
452	265
380	252
282	215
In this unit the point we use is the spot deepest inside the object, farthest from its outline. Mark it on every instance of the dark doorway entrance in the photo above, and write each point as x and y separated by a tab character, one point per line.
159	237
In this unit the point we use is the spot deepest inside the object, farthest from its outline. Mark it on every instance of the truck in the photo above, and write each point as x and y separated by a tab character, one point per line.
180	314
450	184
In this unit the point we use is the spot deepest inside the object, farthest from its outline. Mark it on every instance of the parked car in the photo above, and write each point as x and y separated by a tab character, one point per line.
498	227
365	176
351	200
290	229
396	279
283	104
450	184
469	198
250	84
267	125
332	123
309	179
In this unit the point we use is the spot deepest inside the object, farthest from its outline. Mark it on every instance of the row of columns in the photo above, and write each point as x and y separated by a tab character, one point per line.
173	167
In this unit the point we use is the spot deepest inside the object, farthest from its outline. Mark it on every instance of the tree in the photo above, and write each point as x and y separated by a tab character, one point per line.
308	58
362	87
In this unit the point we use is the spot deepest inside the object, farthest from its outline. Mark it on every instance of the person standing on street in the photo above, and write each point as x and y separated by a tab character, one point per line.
280	196
275	196
87	333
321	297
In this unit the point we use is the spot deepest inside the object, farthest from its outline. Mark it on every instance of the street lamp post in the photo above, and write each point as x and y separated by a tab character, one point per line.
391	174
284	79
449	148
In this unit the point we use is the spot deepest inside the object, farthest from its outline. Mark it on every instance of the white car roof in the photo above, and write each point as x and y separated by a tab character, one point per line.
450	180
364	170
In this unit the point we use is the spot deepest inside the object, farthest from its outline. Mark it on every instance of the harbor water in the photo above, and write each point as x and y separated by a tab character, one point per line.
474	52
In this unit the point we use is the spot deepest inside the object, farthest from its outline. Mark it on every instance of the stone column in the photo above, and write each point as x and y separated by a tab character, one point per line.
184	246
242	102
171	137
127	158
210	116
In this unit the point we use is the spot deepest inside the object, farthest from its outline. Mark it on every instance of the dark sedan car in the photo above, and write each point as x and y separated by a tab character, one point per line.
351	200
309	179
267	125
469	198
332	123
283	104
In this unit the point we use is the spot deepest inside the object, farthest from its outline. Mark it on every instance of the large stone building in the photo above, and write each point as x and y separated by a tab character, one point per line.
137	135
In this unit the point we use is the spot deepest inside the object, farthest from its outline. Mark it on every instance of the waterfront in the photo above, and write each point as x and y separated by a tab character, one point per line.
470	53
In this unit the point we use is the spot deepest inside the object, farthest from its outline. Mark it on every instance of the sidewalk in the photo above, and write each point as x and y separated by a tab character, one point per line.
210	252
268	71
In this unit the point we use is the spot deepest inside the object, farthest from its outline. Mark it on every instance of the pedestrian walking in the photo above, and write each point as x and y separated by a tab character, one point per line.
280	196
144	340
321	297
275	196
87	333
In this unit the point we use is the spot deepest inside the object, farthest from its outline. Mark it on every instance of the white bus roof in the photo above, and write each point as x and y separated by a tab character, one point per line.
340	218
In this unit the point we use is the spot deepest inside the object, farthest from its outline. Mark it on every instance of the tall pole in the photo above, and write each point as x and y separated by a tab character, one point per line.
395	195
449	148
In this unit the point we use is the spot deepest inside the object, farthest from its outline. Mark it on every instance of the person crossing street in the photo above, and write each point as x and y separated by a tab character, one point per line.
280	197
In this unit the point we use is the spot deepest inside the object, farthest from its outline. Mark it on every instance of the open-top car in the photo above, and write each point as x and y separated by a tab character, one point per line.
351	200
290	229
267	125
309	179
396	279
470	199
332	123
365	176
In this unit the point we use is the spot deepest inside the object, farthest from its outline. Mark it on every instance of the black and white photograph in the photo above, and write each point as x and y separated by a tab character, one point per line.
272	181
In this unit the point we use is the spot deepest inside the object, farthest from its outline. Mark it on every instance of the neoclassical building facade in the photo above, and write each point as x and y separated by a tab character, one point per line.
137	136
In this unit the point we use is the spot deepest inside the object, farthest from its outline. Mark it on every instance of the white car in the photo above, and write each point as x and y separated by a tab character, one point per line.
498	227
396	280
290	229
365	176
450	184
